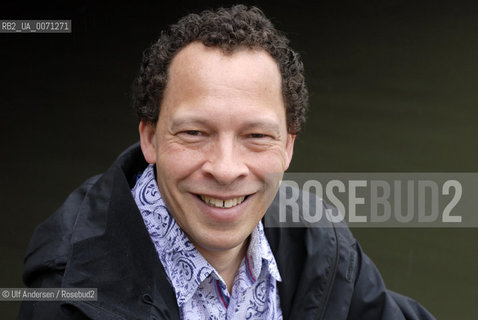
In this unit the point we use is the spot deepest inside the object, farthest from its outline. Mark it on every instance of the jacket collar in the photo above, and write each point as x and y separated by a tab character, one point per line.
117	255
307	258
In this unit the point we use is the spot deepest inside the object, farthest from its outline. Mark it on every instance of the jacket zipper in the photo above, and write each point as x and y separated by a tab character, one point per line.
332	277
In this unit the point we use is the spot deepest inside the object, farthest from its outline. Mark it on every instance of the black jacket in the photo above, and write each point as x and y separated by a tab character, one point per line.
97	239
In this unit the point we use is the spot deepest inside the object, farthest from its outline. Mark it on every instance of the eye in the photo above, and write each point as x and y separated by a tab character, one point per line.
193	132
257	135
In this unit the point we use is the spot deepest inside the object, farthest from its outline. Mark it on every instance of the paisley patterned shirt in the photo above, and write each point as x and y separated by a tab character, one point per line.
200	291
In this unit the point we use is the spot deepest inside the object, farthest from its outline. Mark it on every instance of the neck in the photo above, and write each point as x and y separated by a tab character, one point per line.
226	262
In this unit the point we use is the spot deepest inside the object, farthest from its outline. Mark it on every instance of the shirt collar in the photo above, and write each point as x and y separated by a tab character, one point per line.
259	254
185	267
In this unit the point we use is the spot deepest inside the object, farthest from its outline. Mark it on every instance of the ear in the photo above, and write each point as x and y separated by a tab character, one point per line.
147	134
289	149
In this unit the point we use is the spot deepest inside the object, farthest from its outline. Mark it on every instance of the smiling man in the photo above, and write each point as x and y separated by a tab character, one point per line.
173	230
221	132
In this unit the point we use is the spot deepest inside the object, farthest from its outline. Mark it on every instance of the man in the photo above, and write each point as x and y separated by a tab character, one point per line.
173	229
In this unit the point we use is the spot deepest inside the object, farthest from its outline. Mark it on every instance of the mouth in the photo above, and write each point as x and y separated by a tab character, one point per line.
221	203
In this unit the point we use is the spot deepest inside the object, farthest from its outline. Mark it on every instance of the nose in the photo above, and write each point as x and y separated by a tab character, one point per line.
225	161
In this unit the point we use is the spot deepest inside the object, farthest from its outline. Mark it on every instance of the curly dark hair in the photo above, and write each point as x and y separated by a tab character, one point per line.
228	29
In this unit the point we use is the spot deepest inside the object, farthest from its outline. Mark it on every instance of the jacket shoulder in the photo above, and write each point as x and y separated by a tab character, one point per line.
50	243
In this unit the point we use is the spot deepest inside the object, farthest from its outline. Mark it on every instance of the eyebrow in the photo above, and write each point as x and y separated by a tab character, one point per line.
263	124
178	122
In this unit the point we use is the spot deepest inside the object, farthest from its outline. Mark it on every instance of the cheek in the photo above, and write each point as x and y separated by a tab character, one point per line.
272	161
176	162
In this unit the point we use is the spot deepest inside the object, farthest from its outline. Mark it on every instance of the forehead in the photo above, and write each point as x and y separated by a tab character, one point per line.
223	90
199	67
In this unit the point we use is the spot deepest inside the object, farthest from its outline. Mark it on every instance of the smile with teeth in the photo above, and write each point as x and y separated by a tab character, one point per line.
219	203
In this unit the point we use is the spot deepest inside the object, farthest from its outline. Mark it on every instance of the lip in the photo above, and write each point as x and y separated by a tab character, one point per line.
223	215
227	197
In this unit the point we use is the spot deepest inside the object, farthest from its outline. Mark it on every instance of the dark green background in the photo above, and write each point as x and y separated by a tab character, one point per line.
393	87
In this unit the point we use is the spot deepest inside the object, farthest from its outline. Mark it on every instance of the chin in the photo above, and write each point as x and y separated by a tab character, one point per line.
223	241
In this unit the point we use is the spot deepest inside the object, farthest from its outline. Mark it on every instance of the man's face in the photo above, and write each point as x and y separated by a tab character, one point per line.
220	144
